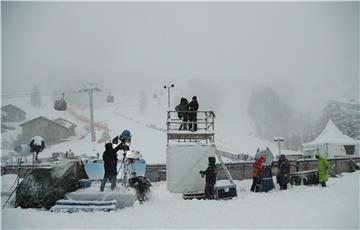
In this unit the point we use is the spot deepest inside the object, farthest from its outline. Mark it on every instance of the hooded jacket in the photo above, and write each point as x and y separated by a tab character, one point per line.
193	105
323	167
182	108
110	159
258	167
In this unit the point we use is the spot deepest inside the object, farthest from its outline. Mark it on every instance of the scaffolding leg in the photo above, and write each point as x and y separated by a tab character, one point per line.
224	167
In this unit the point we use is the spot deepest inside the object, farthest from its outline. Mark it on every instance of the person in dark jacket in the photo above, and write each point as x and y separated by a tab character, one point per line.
182	109
284	169
210	178
193	107
110	163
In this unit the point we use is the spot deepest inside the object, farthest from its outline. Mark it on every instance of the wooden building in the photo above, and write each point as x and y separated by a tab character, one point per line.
13	113
51	131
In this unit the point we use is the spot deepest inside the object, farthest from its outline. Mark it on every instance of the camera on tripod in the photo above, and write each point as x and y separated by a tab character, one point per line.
126	145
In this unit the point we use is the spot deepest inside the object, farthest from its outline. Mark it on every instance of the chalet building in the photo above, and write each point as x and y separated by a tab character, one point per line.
13	114
51	131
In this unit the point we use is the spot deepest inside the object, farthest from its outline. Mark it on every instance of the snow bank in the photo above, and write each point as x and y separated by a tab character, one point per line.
336	206
8	183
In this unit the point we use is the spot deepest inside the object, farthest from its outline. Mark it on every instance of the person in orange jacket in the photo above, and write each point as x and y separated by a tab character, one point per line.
256	173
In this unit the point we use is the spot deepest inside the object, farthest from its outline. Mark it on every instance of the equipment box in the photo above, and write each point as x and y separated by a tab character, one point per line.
84	183
225	192
304	177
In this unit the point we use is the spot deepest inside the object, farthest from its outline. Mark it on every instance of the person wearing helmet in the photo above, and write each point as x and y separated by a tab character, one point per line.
193	108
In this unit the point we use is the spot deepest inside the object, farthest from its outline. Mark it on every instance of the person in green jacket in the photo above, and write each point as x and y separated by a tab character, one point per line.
323	167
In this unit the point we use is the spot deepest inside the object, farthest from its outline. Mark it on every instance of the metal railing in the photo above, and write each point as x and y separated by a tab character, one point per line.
182	128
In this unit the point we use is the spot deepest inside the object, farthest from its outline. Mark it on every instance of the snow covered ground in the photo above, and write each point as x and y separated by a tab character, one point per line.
336	206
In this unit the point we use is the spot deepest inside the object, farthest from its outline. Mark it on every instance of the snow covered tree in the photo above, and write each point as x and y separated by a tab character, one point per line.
270	115
273	116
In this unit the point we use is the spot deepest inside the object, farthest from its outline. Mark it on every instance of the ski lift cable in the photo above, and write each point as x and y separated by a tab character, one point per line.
49	93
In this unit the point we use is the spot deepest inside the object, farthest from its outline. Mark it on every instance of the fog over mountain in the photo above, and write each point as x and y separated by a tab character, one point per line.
307	52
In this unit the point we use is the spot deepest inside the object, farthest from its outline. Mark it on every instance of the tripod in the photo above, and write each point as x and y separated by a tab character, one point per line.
129	170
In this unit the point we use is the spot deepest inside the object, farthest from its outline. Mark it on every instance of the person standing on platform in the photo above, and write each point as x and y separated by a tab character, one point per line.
183	114
193	108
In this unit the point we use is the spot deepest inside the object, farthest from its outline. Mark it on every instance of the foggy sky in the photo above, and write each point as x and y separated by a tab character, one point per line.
308	51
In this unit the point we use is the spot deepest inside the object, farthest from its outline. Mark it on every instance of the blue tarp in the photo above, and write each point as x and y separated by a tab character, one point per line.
266	183
95	170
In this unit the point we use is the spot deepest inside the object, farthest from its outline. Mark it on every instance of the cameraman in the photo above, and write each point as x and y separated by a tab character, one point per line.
110	163
110	157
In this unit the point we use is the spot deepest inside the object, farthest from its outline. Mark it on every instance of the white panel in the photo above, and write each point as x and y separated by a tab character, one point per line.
183	165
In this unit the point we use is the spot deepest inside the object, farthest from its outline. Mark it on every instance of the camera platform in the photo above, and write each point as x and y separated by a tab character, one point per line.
201	130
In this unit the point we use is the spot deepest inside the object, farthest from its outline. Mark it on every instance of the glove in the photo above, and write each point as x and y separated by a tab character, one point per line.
115	140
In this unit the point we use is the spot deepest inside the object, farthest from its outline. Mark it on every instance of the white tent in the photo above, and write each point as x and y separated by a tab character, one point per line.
332	142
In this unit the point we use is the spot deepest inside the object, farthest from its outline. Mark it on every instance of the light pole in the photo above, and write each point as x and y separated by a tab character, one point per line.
90	89
169	87
279	140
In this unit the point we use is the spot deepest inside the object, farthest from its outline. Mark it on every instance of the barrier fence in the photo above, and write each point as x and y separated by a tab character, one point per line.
238	171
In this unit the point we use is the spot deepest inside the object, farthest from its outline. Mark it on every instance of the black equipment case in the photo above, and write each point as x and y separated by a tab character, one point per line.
225	192
304	177
84	183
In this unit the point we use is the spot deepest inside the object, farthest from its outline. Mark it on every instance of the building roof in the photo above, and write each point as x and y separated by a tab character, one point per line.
64	122
44	118
331	135
4	114
12	106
